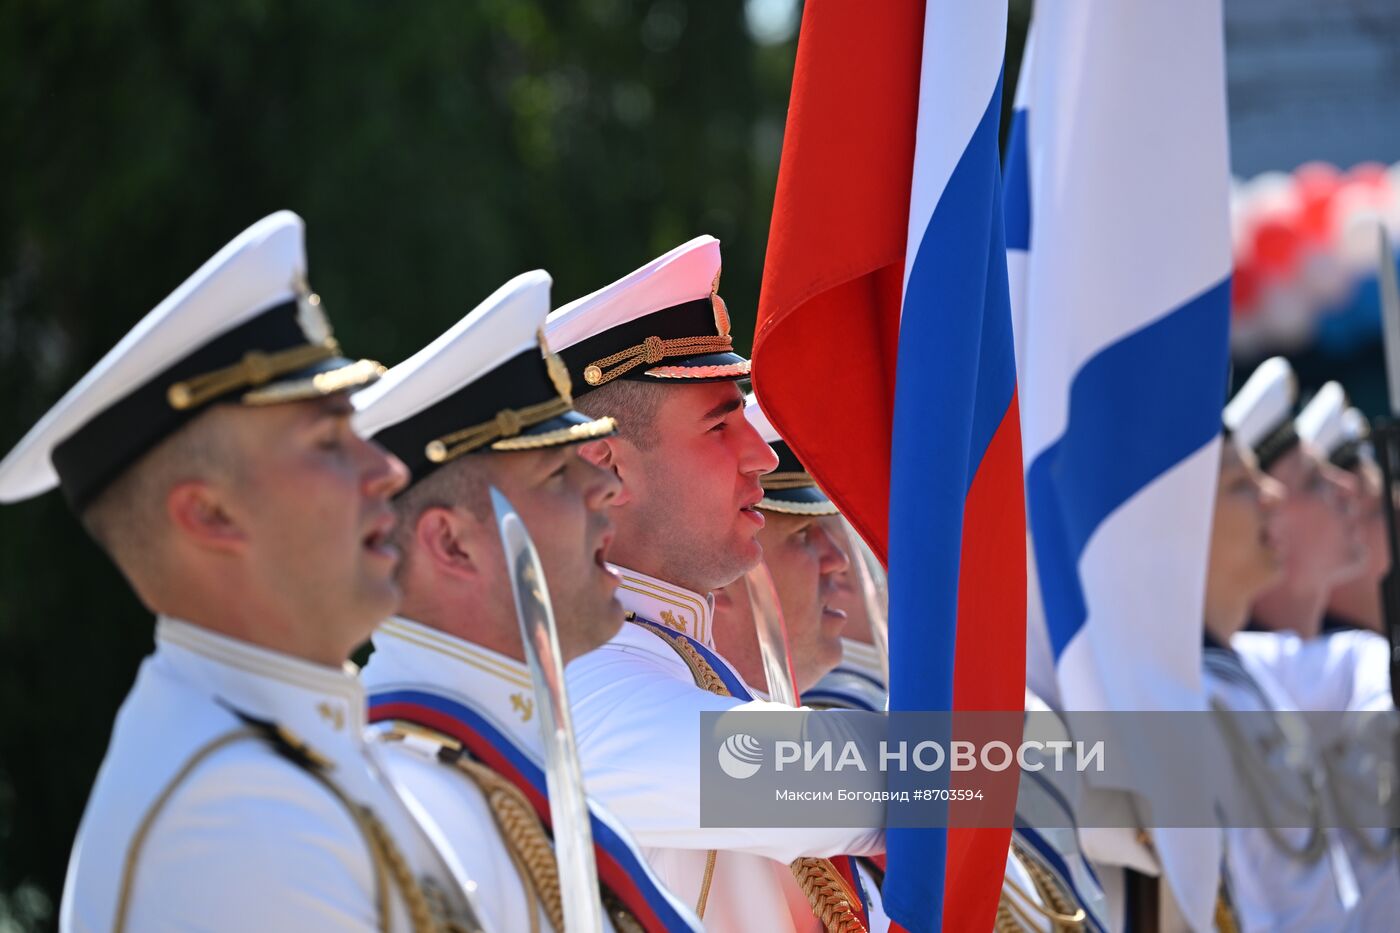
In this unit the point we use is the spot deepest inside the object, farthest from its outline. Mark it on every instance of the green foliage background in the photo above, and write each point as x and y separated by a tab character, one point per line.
435	148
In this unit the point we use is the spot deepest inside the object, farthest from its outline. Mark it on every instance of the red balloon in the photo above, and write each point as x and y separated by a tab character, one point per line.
1316	184
1277	245
1244	288
1370	174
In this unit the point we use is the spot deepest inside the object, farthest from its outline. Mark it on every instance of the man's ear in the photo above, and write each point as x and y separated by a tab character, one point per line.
195	509
607	453
444	539
599	453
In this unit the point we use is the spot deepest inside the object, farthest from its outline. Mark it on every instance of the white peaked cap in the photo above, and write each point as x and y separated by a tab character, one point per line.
1355	425
1320	423
754	412
488	383
686	273
506	324
1263	403
262	268
663	323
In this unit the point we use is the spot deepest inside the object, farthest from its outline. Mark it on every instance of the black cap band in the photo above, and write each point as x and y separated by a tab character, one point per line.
791	488
95	455
1348	455
520	382
1278	442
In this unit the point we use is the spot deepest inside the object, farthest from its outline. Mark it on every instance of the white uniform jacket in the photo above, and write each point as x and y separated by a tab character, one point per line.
197	821
636	711
410	656
1272	889
1346	670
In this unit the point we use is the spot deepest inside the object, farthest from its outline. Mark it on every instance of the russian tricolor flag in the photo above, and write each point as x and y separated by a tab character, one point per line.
883	354
1117	192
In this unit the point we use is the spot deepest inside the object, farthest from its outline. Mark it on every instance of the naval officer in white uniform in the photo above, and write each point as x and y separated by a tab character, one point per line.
211	455
1048	884
1289	879
1343	668
804	557
654	350
487	405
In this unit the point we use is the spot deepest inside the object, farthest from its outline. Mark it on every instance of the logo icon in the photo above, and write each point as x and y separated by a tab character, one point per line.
741	756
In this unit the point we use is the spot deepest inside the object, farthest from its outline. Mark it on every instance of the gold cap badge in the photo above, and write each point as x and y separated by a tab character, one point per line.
721	310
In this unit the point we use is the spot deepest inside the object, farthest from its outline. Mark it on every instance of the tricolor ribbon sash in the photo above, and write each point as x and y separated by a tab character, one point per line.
621	869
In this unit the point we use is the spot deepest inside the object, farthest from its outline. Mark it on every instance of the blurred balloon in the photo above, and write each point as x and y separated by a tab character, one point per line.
1305	246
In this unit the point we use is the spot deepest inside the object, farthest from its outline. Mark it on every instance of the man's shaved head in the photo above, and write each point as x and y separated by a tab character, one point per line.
128	519
633	403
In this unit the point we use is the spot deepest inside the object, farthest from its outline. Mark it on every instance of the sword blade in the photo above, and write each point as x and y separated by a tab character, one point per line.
772	635
568	805
1390	316
874	593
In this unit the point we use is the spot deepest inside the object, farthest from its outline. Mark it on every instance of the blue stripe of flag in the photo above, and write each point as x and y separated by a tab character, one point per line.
955	380
1131	405
1018	184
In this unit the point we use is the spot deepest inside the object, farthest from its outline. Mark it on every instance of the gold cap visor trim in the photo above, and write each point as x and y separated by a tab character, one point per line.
794	479
797	508
727	370
356	375
574	433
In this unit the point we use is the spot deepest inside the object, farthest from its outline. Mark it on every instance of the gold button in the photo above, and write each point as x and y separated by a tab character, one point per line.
593	375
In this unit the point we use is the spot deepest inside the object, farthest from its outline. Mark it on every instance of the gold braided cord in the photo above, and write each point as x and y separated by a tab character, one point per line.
788	479
527	841
508	423
143	829
1225	919
599	427
831	900
1258	776
826	891
1351	824
1054	901
1014	917
784	507
354	376
255	369
1005	921
421	916
387	862
705	677
652	350
720	371
705	881
529	845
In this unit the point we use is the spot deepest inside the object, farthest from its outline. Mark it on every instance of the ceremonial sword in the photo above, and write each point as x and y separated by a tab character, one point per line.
874	593
772	634
568	805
